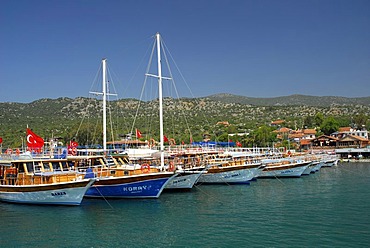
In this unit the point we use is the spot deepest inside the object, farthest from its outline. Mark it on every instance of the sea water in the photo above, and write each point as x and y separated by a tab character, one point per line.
326	209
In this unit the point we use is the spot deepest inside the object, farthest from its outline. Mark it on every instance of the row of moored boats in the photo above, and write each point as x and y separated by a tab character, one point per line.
55	180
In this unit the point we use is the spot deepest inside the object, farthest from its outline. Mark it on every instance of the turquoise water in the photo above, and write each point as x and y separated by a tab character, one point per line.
326	209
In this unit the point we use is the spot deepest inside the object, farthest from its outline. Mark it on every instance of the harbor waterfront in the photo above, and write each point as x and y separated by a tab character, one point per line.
325	209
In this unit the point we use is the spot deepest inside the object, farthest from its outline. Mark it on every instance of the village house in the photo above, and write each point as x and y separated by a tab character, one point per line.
345	137
352	141
345	131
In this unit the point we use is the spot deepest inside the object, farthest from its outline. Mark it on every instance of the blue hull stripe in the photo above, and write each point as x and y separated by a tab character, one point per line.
144	189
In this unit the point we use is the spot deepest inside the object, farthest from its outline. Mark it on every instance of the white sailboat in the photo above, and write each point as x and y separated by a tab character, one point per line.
127	181
184	179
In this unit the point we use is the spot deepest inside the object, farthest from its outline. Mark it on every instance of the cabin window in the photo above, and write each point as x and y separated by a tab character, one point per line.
21	168
65	166
46	166
56	166
29	166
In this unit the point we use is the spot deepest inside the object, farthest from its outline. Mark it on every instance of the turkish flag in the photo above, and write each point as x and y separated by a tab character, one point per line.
33	140
1	140
165	139
73	143
138	134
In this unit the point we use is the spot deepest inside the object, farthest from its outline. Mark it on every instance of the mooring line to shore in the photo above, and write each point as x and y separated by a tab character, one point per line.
279	180
207	194
105	199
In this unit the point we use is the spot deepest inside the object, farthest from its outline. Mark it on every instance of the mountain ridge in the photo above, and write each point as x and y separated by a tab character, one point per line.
290	100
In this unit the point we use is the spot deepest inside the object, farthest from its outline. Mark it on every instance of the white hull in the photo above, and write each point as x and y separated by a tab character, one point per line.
237	176
68	193
282	171
310	168
318	167
184	180
330	163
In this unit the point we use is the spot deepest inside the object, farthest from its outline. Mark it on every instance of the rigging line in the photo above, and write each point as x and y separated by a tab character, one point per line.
112	75
173	80
89	101
110	106
142	89
139	66
187	85
173	83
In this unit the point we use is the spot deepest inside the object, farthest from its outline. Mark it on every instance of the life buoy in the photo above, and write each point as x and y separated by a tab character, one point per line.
172	142
9	151
172	166
145	168
151	143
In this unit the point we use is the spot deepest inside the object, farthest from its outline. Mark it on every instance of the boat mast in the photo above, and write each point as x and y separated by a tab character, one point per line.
104	94
161	135
104	83
160	96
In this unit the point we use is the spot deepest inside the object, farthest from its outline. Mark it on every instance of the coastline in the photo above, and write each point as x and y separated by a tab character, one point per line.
354	160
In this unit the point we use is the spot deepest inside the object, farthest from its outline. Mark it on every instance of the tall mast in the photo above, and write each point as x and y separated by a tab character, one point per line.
160	78
104	83
161	135
104	94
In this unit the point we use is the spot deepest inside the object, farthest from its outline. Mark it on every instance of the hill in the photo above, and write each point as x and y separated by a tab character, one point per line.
292	100
80	118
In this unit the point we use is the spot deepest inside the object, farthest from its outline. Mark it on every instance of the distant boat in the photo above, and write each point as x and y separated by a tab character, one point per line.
40	181
230	169
283	168
330	161
189	165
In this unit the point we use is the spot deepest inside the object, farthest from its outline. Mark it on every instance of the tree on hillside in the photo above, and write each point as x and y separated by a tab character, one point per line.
308	121
329	125
263	136
360	120
318	119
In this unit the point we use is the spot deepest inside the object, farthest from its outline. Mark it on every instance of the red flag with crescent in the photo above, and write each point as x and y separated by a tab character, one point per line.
138	134
33	140
73	143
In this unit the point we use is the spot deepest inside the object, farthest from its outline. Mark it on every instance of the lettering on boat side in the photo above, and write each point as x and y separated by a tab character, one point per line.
233	175
286	171
135	188
58	193
179	181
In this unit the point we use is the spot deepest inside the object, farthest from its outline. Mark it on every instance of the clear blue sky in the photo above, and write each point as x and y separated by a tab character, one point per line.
264	48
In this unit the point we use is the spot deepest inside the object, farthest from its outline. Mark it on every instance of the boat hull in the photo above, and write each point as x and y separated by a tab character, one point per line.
140	186
185	180
310	169
229	175
68	193
317	167
295	170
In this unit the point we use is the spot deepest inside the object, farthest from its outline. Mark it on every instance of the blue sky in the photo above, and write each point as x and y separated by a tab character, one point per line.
264	48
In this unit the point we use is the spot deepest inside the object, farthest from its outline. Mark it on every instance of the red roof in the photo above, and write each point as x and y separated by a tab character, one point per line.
344	129
305	142
309	131
277	122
